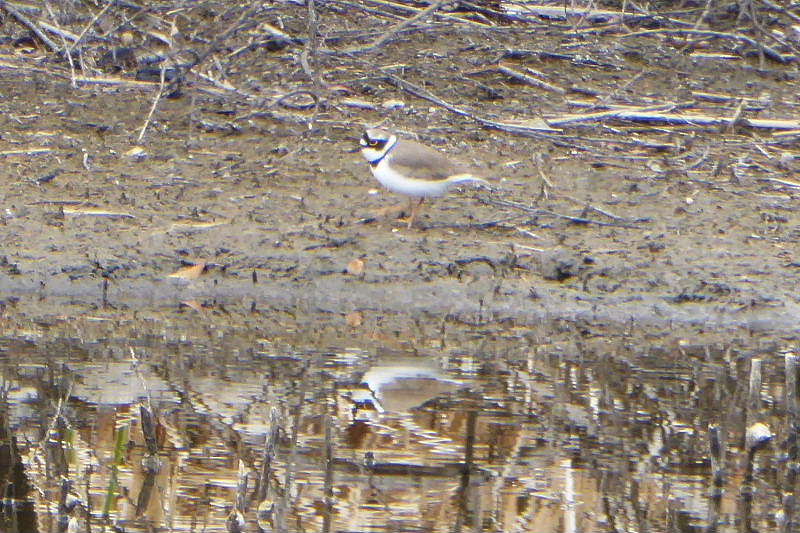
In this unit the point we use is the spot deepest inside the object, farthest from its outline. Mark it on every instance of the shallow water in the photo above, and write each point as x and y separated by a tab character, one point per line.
183	341
560	432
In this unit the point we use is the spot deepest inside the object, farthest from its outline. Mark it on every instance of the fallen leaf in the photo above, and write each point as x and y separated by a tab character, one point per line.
189	272
137	152
354	318
194	304
355	267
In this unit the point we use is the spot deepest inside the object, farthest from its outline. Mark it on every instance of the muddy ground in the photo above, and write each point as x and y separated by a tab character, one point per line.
277	203
209	243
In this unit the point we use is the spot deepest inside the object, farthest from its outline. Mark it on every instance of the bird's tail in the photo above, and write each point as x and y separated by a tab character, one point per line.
466	178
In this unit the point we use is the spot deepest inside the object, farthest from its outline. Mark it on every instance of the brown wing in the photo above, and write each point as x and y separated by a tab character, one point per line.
418	161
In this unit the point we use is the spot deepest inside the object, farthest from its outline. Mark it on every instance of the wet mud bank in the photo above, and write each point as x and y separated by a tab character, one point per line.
192	272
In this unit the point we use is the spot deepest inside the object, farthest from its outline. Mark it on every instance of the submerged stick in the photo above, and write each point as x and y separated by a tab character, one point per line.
269	455
327	488
288	480
791	366
717	454
266	503
757	435
754	392
465	515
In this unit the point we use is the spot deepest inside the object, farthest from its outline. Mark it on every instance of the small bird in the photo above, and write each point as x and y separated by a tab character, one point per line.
410	168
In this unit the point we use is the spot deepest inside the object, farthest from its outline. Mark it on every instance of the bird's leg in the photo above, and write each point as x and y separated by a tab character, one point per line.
411	209
414	211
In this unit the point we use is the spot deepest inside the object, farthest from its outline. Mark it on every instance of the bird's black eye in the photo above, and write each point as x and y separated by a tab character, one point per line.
373	143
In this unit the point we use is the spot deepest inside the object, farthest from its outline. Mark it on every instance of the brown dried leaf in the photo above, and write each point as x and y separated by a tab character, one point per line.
194	304
355	267
354	318
189	272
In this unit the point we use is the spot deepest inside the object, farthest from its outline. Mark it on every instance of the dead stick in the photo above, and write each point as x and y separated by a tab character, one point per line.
753	437
786	183
605	213
327	488
717	461
790	380
64	34
607	98
393	31
91	23
247	18
445	16
67	49
654	115
309	58
22	19
754	392
769	52
30	151
717	454
736	119
153	107
508	127
780	9
529	79
465	513
534	211
270	443
291	475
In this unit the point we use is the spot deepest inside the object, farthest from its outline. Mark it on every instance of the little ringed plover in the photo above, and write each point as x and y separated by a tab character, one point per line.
410	168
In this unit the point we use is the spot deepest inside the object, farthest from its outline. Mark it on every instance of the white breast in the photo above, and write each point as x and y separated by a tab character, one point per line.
409	186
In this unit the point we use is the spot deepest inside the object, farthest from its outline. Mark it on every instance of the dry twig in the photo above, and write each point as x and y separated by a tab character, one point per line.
446	16
309	58
657	115
157	98
535	212
393	31
766	50
25	21
67	49
529	78
91	23
531	127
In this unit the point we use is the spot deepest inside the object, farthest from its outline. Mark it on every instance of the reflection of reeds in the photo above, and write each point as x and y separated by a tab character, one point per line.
716	451
757	435
266	506
465	516
16	487
121	433
291	475
790	394
327	516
